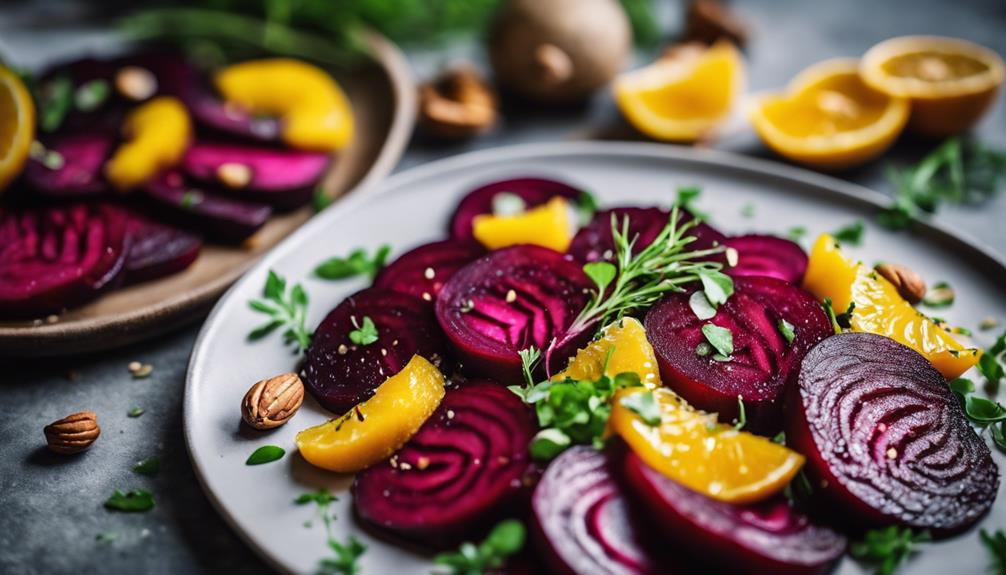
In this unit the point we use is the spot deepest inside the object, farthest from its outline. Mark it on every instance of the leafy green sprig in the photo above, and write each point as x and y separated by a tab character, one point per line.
505	540
887	548
357	263
347	555
995	543
285	309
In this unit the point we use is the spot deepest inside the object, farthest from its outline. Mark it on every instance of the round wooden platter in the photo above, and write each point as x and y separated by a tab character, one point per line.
384	108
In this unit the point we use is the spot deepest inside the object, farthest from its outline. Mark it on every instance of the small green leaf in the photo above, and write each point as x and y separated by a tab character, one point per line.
644	405
320	497
357	263
796	233
830	312
717	286
941	295
274	286
786	329
995	544
721	338
998	431
506	538
851	234
91	95
700	305
265	454
55	101
321	199
586	207
135	412
887	548
190	199
548	443
364	334
983	411
149	466
962	386
106	537
748	210
133	501
347	556
703	349
601	273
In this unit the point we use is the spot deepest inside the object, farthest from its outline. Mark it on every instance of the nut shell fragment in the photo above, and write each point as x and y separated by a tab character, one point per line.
272	402
72	434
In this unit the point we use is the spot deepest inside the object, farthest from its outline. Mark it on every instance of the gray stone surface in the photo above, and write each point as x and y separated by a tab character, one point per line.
51	508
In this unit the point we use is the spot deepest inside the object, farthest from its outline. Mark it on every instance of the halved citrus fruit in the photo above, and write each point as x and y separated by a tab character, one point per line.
684	96
829	118
17	125
621	348
951	82
692	448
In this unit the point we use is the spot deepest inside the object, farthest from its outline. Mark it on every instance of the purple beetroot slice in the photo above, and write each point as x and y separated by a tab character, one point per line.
534	192
422	272
466	468
219	218
83	157
771	256
762	359
767	538
886	440
581	520
158	250
59	257
281	178
340	373
594	241
211	112
510	300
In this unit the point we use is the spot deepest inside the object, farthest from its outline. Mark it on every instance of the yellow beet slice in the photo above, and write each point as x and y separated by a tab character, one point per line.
547	225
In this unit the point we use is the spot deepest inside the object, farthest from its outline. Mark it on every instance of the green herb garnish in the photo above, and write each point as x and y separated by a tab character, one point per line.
149	466
365	333
91	95
135	412
786	329
748	210
644	405
995	543
190	199
687	195
940	295
136	500
742	415
321	200
887	548
990	364
265	454
55	98
347	555
796	233
505	540
700	305
721	338
851	234
586	207
357	263
286	310
106	537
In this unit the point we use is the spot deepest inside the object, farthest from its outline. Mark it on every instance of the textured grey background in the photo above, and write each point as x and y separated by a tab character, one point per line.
51	508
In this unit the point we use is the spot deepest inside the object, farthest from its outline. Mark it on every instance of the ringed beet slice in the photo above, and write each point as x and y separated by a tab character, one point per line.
466	468
158	250
886	440
768	538
59	257
510	300
771	256
594	241
219	218
281	178
534	192
762	358
581	521
422	272
340	373
82	156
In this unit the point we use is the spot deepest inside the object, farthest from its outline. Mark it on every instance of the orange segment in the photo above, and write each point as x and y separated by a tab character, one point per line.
693	449
951	83
17	125
829	118
683	97
880	309
158	133
625	341
547	225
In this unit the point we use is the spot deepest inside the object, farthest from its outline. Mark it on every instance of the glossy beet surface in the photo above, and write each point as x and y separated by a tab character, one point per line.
534	192
509	300
78	170
422	271
769	538
466	468
886	438
340	373
211	113
581	521
594	241
762	359
759	255
59	257
217	217
158	250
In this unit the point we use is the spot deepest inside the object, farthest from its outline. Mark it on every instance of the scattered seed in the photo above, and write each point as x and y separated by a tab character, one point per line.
450	414
427	296
429	273
422	463
511	296
404	466
50	319
343	350
892	453
732	257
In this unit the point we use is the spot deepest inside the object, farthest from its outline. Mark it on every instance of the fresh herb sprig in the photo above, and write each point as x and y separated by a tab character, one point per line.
505	540
347	555
887	548
995	543
981	412
285	309
990	364
357	263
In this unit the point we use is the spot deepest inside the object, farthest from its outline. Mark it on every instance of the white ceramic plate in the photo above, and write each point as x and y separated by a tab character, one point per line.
412	208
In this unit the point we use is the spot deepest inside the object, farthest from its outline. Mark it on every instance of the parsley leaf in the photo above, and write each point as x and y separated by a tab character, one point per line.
265	454
995	543
347	556
887	548
586	207
686	201
700	305
286	310
851	234
149	466
137	500
55	98
357	263
364	334
135	412
505	540
601	273
721	338
796	233
644	405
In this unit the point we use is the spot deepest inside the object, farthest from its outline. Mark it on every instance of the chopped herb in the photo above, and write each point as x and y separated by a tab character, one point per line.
780	438
286	310
830	312
321	199
939	296
796	233
887	548
742	414
990	364
962	386
191	199
748	210
364	334
644	405
700	305
786	329
106	537
851	234
55	99
586	207
347	557
703	349
149	466
135	412
507	204
686	201
505	540
998	431
133	501
357	263
717	286
322	497
721	338
995	543
601	273
91	95
961	331
265	454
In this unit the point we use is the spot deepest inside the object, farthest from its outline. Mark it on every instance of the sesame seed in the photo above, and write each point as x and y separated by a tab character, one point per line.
511	296
429	274
427	296
343	350
892	453
450	414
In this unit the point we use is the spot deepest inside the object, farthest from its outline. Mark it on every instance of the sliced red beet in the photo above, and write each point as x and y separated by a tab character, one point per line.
340	373
770	256
213	113
158	250
219	218
422	272
281	178
510	300
59	257
533	191
767	538
886	440
594	241
466	468
82	157
581	520
762	359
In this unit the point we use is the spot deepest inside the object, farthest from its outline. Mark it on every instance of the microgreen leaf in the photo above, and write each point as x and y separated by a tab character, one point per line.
321	199
347	556
136	500
320	497
851	234
995	544
700	305
962	386
364	334
998	432
91	95
721	338
601	273
940	295
529	360
990	364
265	454
548	443
644	405
288	311
148	466
55	99
586	207
687	195
506	539
983	411
786	329
887	548
357	263
717	286
135	412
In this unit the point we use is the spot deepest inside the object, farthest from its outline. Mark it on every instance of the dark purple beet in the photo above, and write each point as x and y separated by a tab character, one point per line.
885	439
534	192
767	538
219	218
214	114
594	241
83	157
281	178
509	300
340	374
466	468
581	521
422	272
158	250
59	257
770	256
762	358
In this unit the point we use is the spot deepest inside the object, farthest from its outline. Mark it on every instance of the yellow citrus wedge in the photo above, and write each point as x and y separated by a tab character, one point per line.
880	309
951	83
829	118
547	225
623	348
158	132
693	449
17	125
683	97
